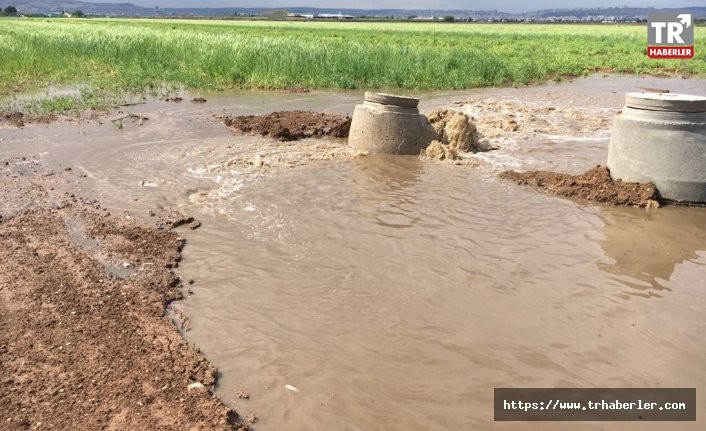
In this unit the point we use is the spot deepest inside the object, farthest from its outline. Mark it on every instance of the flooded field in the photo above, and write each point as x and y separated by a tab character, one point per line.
354	292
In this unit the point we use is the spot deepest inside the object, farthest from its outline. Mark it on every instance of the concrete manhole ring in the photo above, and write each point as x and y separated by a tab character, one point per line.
666	102
389	99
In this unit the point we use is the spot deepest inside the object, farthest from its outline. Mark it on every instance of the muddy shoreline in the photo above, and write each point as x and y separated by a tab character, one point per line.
86	340
19	119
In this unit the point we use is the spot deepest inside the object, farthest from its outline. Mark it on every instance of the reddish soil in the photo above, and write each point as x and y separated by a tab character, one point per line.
595	184
84	346
292	125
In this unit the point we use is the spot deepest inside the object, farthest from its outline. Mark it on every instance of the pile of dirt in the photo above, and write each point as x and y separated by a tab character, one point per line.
595	184
292	125
456	135
84	348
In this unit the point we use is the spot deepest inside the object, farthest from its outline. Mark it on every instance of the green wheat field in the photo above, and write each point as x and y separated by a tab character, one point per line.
112	57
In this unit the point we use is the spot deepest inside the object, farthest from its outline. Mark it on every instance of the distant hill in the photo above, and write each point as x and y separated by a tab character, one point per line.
56	6
129	9
698	12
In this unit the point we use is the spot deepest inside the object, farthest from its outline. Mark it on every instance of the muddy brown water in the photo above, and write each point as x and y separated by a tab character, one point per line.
396	293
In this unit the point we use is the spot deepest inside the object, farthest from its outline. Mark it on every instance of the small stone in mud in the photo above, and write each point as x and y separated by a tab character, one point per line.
595	184
196	385
176	99
243	395
198	100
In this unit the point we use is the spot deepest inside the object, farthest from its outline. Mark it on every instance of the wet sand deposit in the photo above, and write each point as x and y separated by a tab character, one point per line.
292	125
456	135
595	185
85	343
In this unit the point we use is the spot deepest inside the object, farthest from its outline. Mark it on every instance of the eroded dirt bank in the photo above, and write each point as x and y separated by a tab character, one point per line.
292	125
595	184
85	341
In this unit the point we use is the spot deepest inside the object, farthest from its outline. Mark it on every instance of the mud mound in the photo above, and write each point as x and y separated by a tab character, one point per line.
83	348
595	185
292	125
457	134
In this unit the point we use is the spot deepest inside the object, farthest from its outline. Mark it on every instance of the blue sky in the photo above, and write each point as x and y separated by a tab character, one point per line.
501	5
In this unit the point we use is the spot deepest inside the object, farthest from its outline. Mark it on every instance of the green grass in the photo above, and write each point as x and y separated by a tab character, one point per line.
116	56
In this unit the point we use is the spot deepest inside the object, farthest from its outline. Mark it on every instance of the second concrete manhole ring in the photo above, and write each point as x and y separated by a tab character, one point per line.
669	102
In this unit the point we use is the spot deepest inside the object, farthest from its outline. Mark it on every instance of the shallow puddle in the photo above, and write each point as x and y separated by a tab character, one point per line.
364	293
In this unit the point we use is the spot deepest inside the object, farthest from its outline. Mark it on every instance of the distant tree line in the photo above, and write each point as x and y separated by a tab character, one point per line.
12	11
9	11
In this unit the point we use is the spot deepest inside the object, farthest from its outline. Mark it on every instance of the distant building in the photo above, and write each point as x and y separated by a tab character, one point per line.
300	15
334	16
